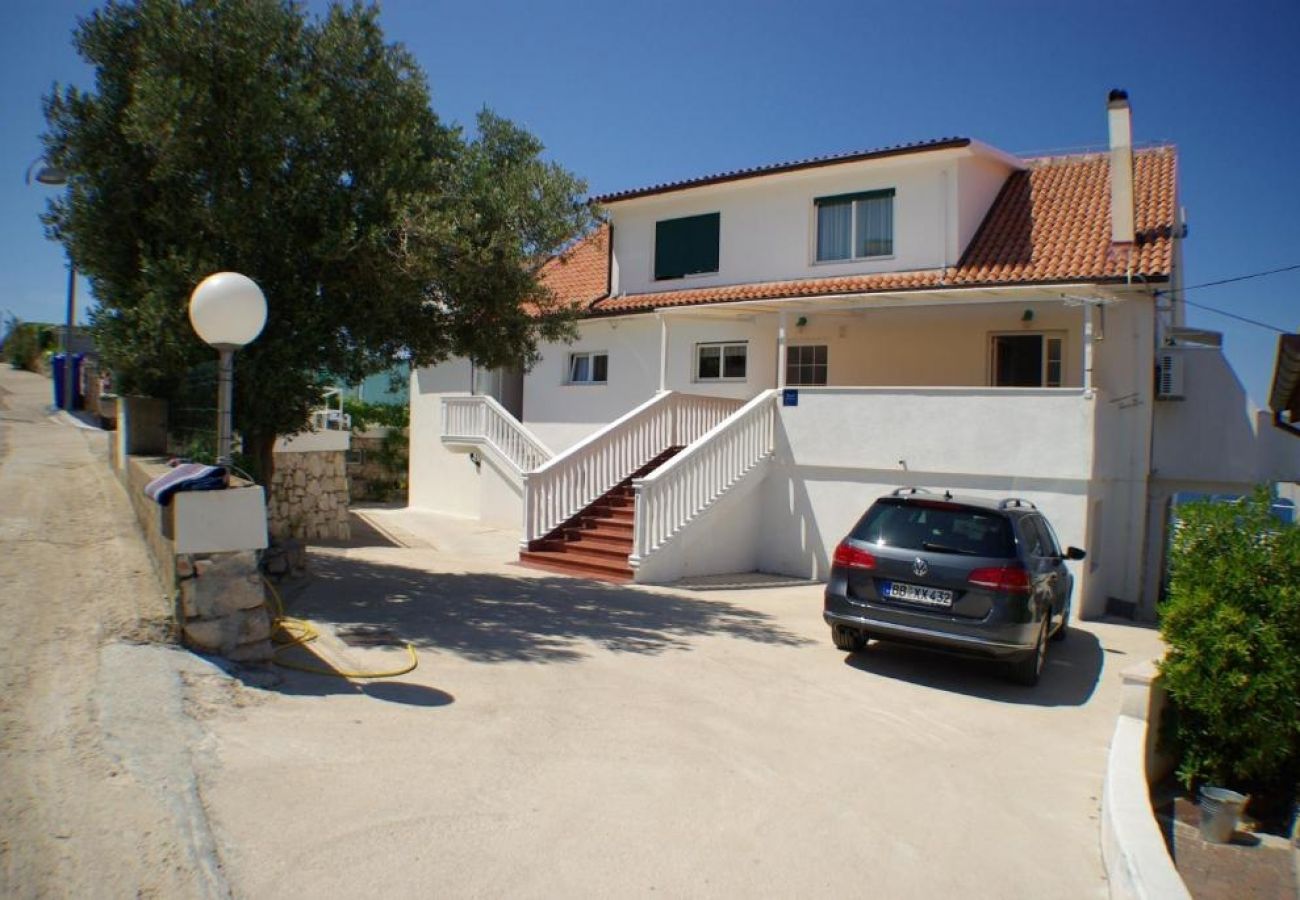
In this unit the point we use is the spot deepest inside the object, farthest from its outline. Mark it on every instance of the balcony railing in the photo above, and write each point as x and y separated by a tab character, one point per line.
481	420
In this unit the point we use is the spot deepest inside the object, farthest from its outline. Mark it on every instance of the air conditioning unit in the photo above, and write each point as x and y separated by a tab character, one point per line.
1169	375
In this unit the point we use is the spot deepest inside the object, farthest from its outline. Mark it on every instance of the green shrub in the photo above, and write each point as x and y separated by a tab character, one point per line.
364	414
1232	625
26	343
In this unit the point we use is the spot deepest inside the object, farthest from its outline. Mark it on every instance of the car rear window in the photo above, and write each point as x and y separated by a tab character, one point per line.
936	527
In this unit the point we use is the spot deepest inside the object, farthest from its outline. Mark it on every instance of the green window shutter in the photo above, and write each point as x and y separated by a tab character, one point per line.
687	246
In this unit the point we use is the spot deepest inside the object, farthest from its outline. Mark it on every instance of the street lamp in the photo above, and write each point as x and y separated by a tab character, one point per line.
227	311
44	172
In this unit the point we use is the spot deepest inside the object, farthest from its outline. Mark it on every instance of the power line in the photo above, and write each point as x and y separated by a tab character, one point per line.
1232	280
1172	295
1235	316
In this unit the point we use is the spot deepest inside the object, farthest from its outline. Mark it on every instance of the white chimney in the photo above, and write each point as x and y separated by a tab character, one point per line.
1121	167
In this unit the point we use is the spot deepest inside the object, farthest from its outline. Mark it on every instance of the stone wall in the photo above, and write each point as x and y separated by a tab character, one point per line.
377	465
309	496
220	604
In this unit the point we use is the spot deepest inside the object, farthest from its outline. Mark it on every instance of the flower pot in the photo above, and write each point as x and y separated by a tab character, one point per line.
1220	811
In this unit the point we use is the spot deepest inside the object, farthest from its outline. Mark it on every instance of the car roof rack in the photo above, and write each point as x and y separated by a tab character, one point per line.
908	491
1018	502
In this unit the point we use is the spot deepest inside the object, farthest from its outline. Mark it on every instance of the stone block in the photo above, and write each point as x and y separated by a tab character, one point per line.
211	635
257	651
254	625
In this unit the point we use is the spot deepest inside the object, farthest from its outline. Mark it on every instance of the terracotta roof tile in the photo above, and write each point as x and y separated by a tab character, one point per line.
1049	224
580	275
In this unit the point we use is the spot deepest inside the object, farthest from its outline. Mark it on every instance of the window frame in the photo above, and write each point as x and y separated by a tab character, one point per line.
717	250
723	347
811	345
591	367
853	198
1045	337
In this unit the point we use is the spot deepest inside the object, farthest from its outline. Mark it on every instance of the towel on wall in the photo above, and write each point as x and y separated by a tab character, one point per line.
186	477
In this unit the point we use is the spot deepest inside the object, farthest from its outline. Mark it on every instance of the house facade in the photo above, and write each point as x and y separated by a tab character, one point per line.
763	352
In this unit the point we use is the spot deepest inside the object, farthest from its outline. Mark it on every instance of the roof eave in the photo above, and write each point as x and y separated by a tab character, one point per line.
781	169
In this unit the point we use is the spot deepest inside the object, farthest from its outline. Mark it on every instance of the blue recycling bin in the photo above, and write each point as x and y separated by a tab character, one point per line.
58	362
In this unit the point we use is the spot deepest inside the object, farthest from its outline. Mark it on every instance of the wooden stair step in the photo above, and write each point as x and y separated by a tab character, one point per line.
577	563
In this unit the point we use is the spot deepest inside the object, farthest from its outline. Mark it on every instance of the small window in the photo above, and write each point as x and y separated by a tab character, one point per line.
855	226
686	246
588	368
1028	360
721	362
805	364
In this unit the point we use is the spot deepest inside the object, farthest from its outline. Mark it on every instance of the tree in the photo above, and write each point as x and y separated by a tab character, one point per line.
242	135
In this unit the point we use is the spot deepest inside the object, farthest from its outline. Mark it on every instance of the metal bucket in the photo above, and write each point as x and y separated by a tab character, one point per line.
1220	811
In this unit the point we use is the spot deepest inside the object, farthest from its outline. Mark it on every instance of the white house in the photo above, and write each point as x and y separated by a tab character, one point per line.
763	352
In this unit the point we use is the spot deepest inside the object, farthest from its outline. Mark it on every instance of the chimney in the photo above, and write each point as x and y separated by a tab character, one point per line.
1121	167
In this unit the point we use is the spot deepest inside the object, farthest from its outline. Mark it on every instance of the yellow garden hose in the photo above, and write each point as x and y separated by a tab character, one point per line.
289	632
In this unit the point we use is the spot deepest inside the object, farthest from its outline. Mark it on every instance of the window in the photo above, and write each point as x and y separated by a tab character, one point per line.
588	368
720	362
805	365
687	246
1027	360
855	226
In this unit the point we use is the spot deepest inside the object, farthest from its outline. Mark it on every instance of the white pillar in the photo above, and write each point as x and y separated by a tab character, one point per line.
780	350
1087	349
663	352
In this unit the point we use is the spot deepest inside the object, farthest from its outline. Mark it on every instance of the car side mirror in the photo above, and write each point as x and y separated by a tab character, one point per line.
1075	554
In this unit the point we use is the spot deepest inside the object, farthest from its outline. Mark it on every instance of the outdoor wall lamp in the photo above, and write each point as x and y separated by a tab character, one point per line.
227	311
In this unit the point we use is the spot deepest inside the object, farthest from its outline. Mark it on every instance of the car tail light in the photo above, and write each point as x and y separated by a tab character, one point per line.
1007	579
848	555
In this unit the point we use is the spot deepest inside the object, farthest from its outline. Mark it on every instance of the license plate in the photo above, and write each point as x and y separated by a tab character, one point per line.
914	593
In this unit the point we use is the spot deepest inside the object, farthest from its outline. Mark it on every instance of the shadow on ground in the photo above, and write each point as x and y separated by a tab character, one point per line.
1069	677
489	617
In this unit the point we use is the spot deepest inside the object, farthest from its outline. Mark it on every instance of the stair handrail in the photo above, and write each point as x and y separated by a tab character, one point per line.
674	494
572	480
479	418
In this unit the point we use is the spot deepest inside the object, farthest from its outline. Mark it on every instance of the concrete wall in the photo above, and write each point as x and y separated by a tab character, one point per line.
725	538
767	229
838	450
452	480
1123	375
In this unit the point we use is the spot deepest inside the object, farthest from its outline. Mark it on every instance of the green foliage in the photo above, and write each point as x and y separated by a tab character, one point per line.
244	135
1232	625
364	414
26	343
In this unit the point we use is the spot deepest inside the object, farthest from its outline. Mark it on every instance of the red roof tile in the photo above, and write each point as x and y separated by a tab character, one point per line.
1050	224
580	275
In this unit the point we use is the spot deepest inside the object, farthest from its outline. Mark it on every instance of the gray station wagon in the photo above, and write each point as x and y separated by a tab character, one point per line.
964	575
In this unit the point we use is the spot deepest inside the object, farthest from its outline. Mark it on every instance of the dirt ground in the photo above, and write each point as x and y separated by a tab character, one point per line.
75	819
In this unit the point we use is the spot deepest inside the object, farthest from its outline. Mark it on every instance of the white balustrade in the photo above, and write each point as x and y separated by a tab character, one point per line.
482	420
561	488
671	496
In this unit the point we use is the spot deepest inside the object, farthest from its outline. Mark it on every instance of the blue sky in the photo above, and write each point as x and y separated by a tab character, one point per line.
627	94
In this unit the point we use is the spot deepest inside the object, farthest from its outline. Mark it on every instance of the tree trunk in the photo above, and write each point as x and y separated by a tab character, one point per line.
259	447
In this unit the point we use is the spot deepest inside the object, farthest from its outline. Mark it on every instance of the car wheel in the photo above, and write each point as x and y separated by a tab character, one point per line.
847	639
1063	630
1029	668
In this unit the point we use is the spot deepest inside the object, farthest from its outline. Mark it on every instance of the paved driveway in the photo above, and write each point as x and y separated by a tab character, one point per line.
564	738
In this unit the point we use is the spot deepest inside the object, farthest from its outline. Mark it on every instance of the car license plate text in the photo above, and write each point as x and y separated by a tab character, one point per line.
914	593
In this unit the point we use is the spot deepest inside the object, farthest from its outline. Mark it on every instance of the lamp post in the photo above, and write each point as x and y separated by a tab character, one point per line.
227	311
44	172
